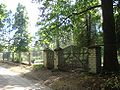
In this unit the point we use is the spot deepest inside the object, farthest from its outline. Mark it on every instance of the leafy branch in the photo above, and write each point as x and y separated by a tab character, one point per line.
97	6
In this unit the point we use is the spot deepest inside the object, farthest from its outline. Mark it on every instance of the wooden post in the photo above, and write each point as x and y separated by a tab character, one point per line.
29	58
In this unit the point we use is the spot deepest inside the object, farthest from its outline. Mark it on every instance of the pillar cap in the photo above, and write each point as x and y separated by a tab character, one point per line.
58	49
95	46
46	49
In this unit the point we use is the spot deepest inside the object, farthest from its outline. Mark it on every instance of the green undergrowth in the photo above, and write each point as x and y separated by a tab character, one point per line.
111	82
37	67
102	82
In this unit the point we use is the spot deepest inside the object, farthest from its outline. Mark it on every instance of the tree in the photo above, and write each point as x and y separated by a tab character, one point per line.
7	31
56	12
110	52
3	15
21	36
117	23
59	22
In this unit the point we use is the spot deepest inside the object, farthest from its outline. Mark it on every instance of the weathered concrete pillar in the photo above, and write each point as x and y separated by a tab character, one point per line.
3	56
20	57
94	59
13	57
48	58
58	61
45	58
6	55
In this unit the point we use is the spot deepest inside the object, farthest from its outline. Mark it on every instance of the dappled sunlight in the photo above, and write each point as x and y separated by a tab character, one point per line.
16	87
6	72
15	67
13	81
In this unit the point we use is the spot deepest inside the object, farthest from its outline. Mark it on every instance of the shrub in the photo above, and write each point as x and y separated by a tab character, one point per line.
112	83
38	67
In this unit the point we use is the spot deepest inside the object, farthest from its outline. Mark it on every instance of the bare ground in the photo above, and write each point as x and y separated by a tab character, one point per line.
60	80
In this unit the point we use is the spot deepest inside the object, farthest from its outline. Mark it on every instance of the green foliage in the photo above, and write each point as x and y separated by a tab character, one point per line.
6	30
49	31
117	23
55	25
2	13
21	36
3	16
2	47
17	60
86	25
38	67
112	83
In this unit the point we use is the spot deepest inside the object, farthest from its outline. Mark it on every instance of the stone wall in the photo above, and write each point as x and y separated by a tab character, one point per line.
94	59
48	58
72	58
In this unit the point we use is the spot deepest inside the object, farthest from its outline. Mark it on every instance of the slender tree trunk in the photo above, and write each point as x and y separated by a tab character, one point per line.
110	63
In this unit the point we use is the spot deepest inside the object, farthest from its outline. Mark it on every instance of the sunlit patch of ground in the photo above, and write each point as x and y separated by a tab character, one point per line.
10	80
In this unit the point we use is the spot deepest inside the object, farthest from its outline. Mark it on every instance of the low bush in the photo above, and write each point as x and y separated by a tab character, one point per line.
38	67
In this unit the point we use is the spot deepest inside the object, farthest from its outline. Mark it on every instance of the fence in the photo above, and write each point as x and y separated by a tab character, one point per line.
74	58
23	57
71	57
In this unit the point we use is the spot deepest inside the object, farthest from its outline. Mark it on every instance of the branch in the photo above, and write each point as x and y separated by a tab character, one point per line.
77	14
86	10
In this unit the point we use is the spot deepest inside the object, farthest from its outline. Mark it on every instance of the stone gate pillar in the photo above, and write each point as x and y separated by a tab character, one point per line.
58	61
48	58
94	59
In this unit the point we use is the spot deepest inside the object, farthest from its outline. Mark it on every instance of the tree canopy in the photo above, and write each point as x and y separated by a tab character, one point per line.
66	21
3	15
21	37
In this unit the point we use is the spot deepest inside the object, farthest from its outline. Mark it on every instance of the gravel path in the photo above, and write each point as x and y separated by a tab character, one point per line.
13	81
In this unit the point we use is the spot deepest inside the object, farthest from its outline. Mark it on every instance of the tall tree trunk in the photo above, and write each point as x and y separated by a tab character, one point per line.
110	63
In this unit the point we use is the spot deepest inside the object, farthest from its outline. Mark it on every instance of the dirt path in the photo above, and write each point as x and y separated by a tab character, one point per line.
13	81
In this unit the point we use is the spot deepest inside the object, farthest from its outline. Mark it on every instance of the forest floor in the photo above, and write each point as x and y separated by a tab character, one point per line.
58	80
